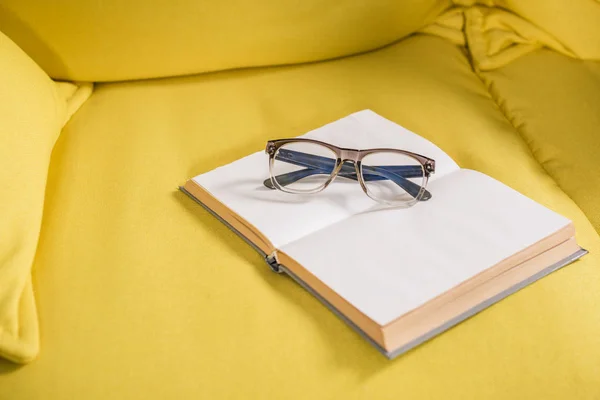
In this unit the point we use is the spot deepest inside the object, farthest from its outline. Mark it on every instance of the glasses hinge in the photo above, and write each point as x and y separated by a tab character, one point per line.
270	150
430	167
273	262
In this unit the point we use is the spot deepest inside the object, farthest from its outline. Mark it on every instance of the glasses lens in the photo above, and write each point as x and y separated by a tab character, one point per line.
393	178
303	167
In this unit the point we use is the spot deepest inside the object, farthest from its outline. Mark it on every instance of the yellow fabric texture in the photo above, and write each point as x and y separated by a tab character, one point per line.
84	40
74	94
32	112
554	103
495	37
144	295
575	24
31	116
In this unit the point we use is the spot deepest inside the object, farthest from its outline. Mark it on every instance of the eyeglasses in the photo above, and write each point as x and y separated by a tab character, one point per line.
390	176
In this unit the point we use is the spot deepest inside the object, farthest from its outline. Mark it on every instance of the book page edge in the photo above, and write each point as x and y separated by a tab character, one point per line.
538	248
246	229
368	326
409	330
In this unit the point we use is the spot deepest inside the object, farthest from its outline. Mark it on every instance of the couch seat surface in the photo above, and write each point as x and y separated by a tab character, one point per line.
554	103
143	295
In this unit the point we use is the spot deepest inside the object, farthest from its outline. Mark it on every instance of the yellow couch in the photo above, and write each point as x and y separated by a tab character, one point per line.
113	285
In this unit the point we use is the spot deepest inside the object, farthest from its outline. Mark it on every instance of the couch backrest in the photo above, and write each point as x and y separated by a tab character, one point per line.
109	40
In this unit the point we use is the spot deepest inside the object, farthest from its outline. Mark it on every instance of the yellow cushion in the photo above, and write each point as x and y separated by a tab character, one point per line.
143	295
497	36
33	109
113	40
554	103
574	23
572	27
31	116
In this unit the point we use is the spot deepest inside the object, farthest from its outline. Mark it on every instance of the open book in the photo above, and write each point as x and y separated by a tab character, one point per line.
399	276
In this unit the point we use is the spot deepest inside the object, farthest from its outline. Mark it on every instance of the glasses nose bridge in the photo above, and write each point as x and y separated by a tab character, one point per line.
349	155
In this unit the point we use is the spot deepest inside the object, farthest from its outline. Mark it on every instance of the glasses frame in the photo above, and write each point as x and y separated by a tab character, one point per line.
354	156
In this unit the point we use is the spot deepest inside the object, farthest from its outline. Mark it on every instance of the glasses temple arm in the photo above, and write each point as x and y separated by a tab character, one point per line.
294	176
378	173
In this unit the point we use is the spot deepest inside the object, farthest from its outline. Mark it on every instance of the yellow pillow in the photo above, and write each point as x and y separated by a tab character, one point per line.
33	110
113	40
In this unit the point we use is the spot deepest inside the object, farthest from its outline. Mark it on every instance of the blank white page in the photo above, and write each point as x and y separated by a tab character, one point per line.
284	217
389	262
